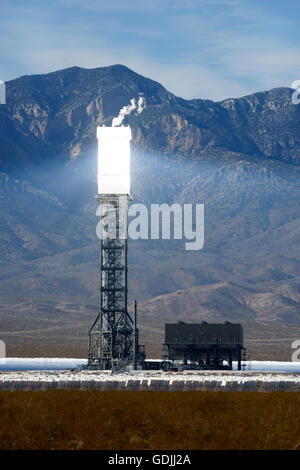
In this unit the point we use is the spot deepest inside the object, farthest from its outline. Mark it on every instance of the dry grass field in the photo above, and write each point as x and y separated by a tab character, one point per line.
149	420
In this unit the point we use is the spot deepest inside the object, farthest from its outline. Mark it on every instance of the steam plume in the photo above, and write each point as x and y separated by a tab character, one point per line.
141	104
126	110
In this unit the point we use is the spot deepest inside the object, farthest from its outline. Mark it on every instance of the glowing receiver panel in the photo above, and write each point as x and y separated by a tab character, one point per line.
114	160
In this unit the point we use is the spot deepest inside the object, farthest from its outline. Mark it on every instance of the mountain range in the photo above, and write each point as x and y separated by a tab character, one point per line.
239	157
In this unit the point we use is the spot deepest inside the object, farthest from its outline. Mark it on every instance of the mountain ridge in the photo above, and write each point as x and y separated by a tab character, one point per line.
240	157
65	107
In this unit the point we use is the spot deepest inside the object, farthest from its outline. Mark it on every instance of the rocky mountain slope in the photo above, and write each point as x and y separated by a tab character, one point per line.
240	157
55	115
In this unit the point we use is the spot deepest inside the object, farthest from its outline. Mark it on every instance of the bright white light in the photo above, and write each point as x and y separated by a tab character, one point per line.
114	160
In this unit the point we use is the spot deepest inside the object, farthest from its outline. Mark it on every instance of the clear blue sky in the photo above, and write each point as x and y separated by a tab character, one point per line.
195	48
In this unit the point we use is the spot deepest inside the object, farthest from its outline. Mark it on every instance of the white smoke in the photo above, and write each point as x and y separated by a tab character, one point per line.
126	110
141	104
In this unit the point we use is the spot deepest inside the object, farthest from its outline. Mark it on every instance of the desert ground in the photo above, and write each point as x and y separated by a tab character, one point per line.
149	420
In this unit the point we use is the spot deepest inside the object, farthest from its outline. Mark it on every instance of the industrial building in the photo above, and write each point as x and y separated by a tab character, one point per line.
204	345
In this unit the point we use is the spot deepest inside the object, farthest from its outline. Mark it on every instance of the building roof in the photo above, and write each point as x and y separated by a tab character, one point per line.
203	333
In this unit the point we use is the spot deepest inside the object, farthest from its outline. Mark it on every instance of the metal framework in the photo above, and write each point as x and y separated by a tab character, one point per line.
113	335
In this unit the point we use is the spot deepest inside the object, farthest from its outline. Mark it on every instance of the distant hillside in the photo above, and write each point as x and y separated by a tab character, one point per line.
240	157
55	115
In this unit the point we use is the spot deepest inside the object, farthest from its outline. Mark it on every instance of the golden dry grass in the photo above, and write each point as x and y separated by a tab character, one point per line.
149	420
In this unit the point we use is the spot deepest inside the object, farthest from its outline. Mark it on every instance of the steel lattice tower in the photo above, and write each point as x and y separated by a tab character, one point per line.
112	335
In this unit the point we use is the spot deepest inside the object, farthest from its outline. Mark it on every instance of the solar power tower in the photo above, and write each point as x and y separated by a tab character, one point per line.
113	337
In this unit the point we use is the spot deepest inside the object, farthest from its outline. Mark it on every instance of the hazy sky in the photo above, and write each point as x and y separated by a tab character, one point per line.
195	48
